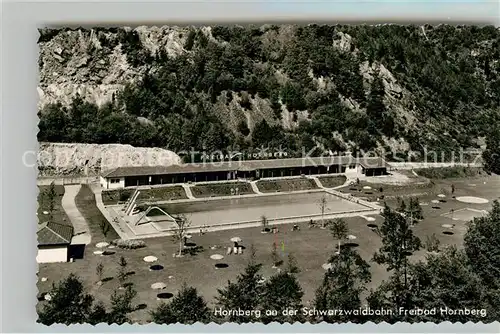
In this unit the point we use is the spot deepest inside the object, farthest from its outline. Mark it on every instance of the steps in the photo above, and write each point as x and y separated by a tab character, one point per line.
188	191
255	189
318	182
130	204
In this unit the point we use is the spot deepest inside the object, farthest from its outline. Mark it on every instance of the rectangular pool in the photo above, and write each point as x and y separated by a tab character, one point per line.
233	210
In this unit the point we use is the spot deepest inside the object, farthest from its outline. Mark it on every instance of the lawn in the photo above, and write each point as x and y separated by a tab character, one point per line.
59	215
332	181
145	195
222	189
382	191
85	202
286	185
311	248
450	172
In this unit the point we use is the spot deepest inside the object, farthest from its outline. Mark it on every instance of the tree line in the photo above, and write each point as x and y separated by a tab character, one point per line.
449	278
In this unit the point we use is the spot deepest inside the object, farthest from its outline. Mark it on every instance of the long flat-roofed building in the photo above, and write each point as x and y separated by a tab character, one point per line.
122	177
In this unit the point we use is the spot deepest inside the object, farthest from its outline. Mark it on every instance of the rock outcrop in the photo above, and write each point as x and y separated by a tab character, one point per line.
61	159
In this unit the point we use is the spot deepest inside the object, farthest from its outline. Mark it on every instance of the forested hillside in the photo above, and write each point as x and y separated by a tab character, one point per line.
389	87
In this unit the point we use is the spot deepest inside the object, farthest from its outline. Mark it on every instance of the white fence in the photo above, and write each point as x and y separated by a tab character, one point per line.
45	181
418	165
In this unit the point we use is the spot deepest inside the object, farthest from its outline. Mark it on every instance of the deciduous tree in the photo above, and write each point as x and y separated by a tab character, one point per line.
180	233
339	230
322	207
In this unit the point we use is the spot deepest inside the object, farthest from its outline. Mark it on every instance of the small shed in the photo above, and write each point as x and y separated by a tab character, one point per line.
54	241
373	166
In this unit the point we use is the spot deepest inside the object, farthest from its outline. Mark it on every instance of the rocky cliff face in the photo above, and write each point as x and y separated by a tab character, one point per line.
93	64
56	159
298	79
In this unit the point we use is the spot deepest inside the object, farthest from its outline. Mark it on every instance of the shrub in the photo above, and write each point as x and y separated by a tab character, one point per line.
128	244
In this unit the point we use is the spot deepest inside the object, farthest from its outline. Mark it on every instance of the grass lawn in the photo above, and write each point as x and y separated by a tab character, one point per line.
285	185
311	248
85	202
332	181
153	194
59	215
450	172
388	190
221	189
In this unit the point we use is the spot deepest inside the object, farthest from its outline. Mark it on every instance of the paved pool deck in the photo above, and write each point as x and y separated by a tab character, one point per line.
233	212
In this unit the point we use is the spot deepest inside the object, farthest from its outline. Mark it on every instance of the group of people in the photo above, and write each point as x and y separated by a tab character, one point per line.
237	249
203	229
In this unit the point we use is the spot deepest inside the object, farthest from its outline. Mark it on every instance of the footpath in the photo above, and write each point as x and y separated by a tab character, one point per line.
81	230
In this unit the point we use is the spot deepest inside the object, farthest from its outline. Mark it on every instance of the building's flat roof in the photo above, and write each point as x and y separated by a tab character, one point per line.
51	233
244	165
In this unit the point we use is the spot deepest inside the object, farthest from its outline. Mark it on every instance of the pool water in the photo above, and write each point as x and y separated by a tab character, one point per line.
252	208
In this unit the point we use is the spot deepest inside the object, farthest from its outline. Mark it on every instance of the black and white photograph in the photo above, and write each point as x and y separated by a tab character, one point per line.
270	172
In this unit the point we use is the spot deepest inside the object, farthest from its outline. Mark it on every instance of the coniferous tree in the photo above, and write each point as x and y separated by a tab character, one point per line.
398	243
122	271
402	206
99	271
187	307
69	304
376	109
342	286
243	294
415	210
98	314
121	305
51	195
491	155
481	243
282	292
445	281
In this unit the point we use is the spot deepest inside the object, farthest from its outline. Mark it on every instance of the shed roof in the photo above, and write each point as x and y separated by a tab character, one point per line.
373	163
242	165
51	233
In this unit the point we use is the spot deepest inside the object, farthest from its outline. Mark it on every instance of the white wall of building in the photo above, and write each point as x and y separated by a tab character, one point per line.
353	172
51	254
112	183
103	182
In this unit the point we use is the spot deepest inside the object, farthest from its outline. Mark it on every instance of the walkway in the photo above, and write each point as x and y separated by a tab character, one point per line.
255	189
118	224
350	198
81	231
188	191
